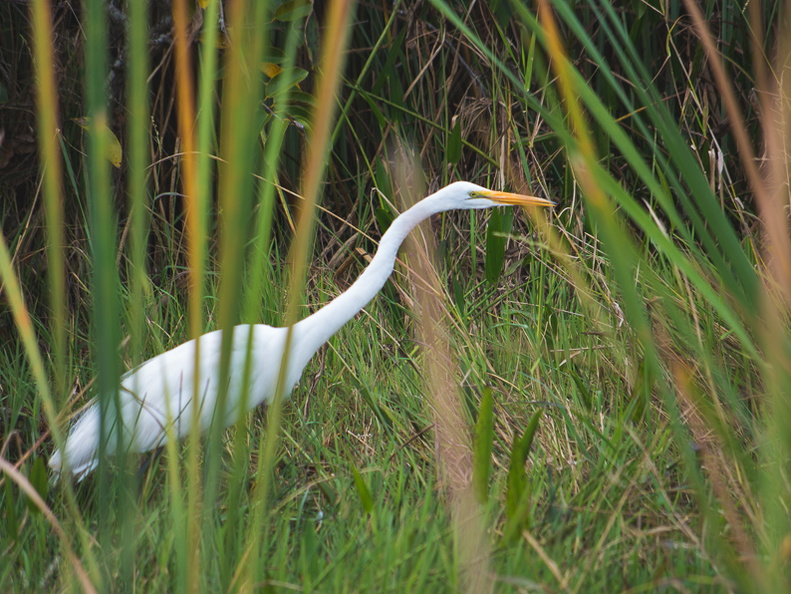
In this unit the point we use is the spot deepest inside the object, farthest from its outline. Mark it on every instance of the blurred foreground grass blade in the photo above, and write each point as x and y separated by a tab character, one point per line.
334	43
104	278
242	89
138	126
50	158
48	142
454	456
196	169
272	139
259	286
48	132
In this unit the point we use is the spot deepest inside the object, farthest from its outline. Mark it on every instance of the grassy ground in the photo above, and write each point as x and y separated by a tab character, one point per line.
592	400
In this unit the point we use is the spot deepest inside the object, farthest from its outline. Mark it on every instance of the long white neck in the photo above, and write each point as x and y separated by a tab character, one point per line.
317	329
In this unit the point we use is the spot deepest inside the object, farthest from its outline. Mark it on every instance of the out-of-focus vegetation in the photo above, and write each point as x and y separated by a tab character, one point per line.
622	367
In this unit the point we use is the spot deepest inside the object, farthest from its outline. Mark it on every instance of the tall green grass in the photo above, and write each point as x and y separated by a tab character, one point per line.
615	377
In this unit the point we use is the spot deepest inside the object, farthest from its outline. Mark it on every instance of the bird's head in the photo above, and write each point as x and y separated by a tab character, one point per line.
469	196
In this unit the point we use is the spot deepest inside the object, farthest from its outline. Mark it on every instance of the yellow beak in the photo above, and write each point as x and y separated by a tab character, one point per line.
516	199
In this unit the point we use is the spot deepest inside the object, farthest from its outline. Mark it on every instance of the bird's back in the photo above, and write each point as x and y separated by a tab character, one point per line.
157	396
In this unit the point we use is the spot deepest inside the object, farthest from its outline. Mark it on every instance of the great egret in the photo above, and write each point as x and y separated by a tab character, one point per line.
159	391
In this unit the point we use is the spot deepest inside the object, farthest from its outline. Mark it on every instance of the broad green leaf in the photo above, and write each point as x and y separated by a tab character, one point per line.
282	80
496	234
363	492
517	502
457	290
293	10
38	478
270	69
482	454
11	526
454	144
516	467
113	151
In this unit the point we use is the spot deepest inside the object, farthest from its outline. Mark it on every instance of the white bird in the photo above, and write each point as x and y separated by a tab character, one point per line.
159	392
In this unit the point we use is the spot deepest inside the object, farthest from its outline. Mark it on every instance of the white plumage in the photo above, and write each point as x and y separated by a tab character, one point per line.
160	390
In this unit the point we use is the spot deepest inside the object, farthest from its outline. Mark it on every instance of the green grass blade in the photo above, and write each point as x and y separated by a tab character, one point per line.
482	451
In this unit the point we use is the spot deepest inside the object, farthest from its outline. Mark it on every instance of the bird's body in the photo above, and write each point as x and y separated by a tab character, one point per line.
162	389
159	393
